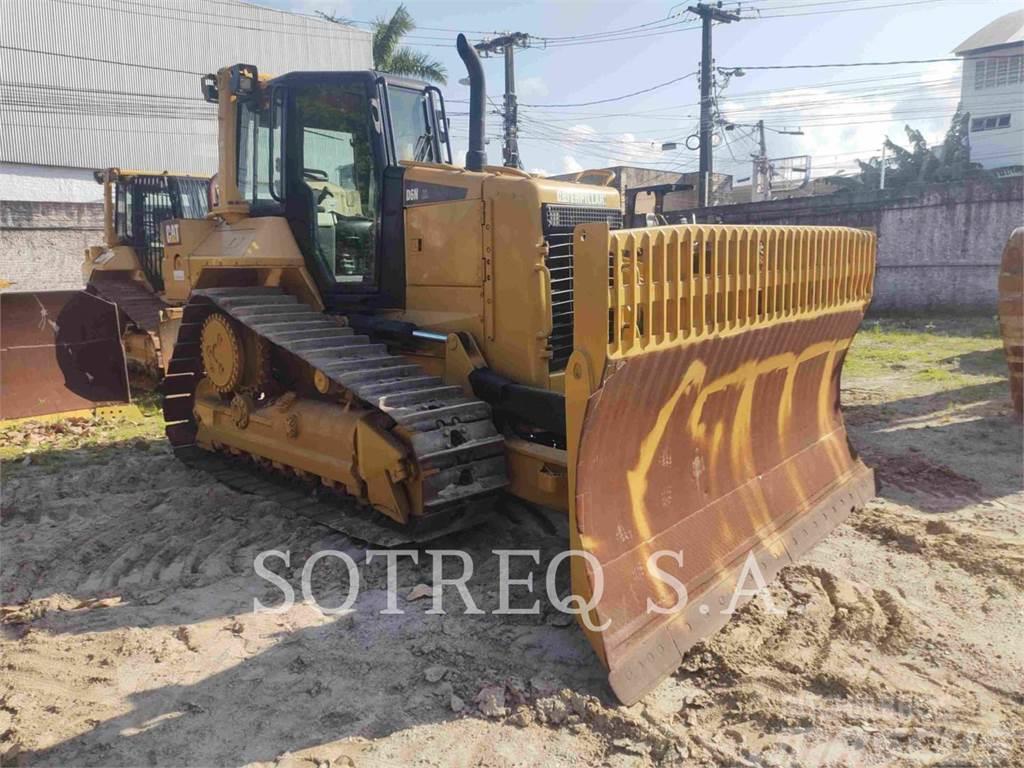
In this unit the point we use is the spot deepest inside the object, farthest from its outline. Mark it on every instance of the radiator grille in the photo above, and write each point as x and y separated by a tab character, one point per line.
558	224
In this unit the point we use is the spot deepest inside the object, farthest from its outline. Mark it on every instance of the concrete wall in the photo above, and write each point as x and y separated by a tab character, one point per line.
48	183
939	247
42	244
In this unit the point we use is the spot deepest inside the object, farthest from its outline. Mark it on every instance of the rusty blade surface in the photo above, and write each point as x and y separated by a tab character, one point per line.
1011	314
718	448
59	351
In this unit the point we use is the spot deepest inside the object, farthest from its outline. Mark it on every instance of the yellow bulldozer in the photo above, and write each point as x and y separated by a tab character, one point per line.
127	269
65	351
366	318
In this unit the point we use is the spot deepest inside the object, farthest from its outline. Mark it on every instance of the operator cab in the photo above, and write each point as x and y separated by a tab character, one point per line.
142	202
324	150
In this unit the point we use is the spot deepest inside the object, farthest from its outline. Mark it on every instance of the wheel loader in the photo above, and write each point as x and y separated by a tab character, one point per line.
66	351
365	318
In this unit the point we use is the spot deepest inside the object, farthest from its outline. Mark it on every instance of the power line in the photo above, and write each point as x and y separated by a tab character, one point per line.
656	23
624	37
846	10
241	24
846	64
617	98
101	61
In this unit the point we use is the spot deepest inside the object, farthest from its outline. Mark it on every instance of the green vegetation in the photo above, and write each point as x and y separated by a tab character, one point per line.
46	441
389	55
920	164
926	355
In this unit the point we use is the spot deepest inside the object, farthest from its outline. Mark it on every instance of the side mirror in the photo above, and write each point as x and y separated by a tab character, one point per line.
209	88
244	80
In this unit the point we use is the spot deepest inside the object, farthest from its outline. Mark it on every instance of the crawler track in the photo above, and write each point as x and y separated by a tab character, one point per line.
137	304
459	455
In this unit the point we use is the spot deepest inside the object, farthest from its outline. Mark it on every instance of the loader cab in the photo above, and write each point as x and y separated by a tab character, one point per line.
324	150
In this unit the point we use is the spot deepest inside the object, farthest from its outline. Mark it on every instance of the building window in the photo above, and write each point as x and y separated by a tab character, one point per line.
989	123
998	71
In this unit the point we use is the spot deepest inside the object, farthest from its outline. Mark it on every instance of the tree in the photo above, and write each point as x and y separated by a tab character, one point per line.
920	163
389	55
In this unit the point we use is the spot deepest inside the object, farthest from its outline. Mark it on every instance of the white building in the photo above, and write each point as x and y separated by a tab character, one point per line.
116	83
993	91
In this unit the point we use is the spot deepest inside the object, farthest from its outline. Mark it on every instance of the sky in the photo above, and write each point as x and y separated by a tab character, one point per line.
591	51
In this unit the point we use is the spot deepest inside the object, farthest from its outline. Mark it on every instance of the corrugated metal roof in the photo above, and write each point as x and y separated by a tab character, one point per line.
67	98
1003	31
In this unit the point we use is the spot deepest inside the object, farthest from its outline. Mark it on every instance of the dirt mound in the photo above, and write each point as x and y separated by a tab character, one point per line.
808	625
977	552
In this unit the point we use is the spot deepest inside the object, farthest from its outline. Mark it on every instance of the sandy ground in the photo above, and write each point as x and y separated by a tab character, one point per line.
128	636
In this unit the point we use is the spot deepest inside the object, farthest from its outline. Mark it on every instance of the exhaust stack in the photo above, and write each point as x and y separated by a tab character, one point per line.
476	155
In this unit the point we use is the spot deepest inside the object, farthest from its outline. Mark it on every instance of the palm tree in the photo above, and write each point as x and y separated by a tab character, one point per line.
390	56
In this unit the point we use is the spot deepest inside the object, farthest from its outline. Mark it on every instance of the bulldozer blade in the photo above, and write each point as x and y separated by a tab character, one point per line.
706	445
60	351
1011	314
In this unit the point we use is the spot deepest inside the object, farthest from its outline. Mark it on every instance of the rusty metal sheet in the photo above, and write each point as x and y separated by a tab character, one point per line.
715	449
60	351
1011	314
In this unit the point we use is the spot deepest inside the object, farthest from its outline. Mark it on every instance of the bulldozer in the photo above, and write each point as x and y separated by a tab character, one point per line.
365	321
68	351
126	269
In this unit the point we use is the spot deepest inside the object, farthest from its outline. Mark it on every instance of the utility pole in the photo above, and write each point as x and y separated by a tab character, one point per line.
881	179
762	172
507	45
708	14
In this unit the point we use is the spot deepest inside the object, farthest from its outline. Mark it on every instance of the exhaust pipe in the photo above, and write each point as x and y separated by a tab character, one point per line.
476	156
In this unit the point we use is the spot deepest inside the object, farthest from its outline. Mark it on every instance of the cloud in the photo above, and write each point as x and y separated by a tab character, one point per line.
531	87
612	148
844	122
571	165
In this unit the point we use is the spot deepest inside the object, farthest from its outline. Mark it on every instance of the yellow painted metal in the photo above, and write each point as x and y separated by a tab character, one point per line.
477	264
121	411
537	473
140	351
340	445
669	284
228	200
222	353
248	251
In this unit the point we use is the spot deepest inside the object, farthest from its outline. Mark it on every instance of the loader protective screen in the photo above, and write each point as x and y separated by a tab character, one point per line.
338	167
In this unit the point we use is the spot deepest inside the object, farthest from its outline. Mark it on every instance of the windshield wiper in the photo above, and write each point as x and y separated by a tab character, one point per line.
422	148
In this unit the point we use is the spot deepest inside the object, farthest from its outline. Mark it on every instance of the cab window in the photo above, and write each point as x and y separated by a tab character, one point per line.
338	167
123	214
259	152
414	139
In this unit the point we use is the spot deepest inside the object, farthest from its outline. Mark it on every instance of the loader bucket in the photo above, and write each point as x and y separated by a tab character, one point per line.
703	418
60	351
